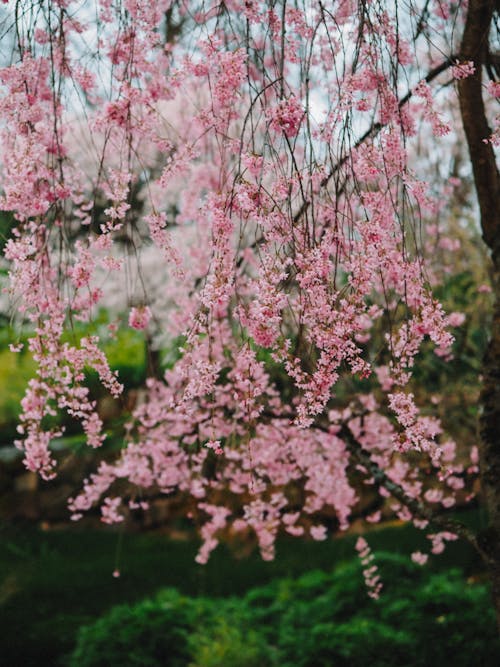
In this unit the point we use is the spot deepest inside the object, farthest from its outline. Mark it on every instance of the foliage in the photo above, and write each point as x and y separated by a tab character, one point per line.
154	632
428	618
55	581
229	640
318	620
39	615
15	371
174	631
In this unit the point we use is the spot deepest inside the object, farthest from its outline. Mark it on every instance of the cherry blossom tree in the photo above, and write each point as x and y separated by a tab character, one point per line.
268	159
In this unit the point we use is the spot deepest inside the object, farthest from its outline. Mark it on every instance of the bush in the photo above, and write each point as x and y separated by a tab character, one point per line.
317	620
172	630
153	632
420	619
229	643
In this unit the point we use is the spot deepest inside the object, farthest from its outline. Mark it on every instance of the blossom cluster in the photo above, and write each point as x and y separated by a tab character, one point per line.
248	184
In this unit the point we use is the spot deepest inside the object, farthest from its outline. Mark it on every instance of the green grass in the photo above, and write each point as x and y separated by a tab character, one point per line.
53	582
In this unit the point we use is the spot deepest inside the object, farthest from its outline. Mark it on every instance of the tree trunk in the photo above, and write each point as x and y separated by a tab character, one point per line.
486	177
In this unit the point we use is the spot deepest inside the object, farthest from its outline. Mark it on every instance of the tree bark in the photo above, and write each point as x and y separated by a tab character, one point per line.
486	177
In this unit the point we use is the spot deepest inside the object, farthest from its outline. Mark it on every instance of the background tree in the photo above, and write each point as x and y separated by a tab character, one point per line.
273	156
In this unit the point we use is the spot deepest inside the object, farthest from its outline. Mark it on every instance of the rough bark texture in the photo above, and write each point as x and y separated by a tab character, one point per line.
486	177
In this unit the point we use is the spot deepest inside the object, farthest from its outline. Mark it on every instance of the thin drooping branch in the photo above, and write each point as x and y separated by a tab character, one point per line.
372	132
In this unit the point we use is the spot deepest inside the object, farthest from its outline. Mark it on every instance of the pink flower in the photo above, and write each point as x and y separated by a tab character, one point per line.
287	116
118	112
419	558
456	319
318	533
494	88
463	70
370	571
215	446
139	317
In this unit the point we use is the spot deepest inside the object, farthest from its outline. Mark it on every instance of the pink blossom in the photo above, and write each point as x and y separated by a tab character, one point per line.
456	319
287	116
494	88
370	571
263	191
215	446
139	317
419	558
463	70
318	532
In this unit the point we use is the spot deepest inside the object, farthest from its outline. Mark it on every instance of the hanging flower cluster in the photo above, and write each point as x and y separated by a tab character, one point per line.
247	173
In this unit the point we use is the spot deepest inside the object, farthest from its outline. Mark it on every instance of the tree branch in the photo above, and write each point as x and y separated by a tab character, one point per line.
416	507
381	479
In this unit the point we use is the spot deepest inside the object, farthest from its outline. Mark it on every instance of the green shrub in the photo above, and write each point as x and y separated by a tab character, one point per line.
356	643
318	620
172	630
229	643
421	619
152	633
